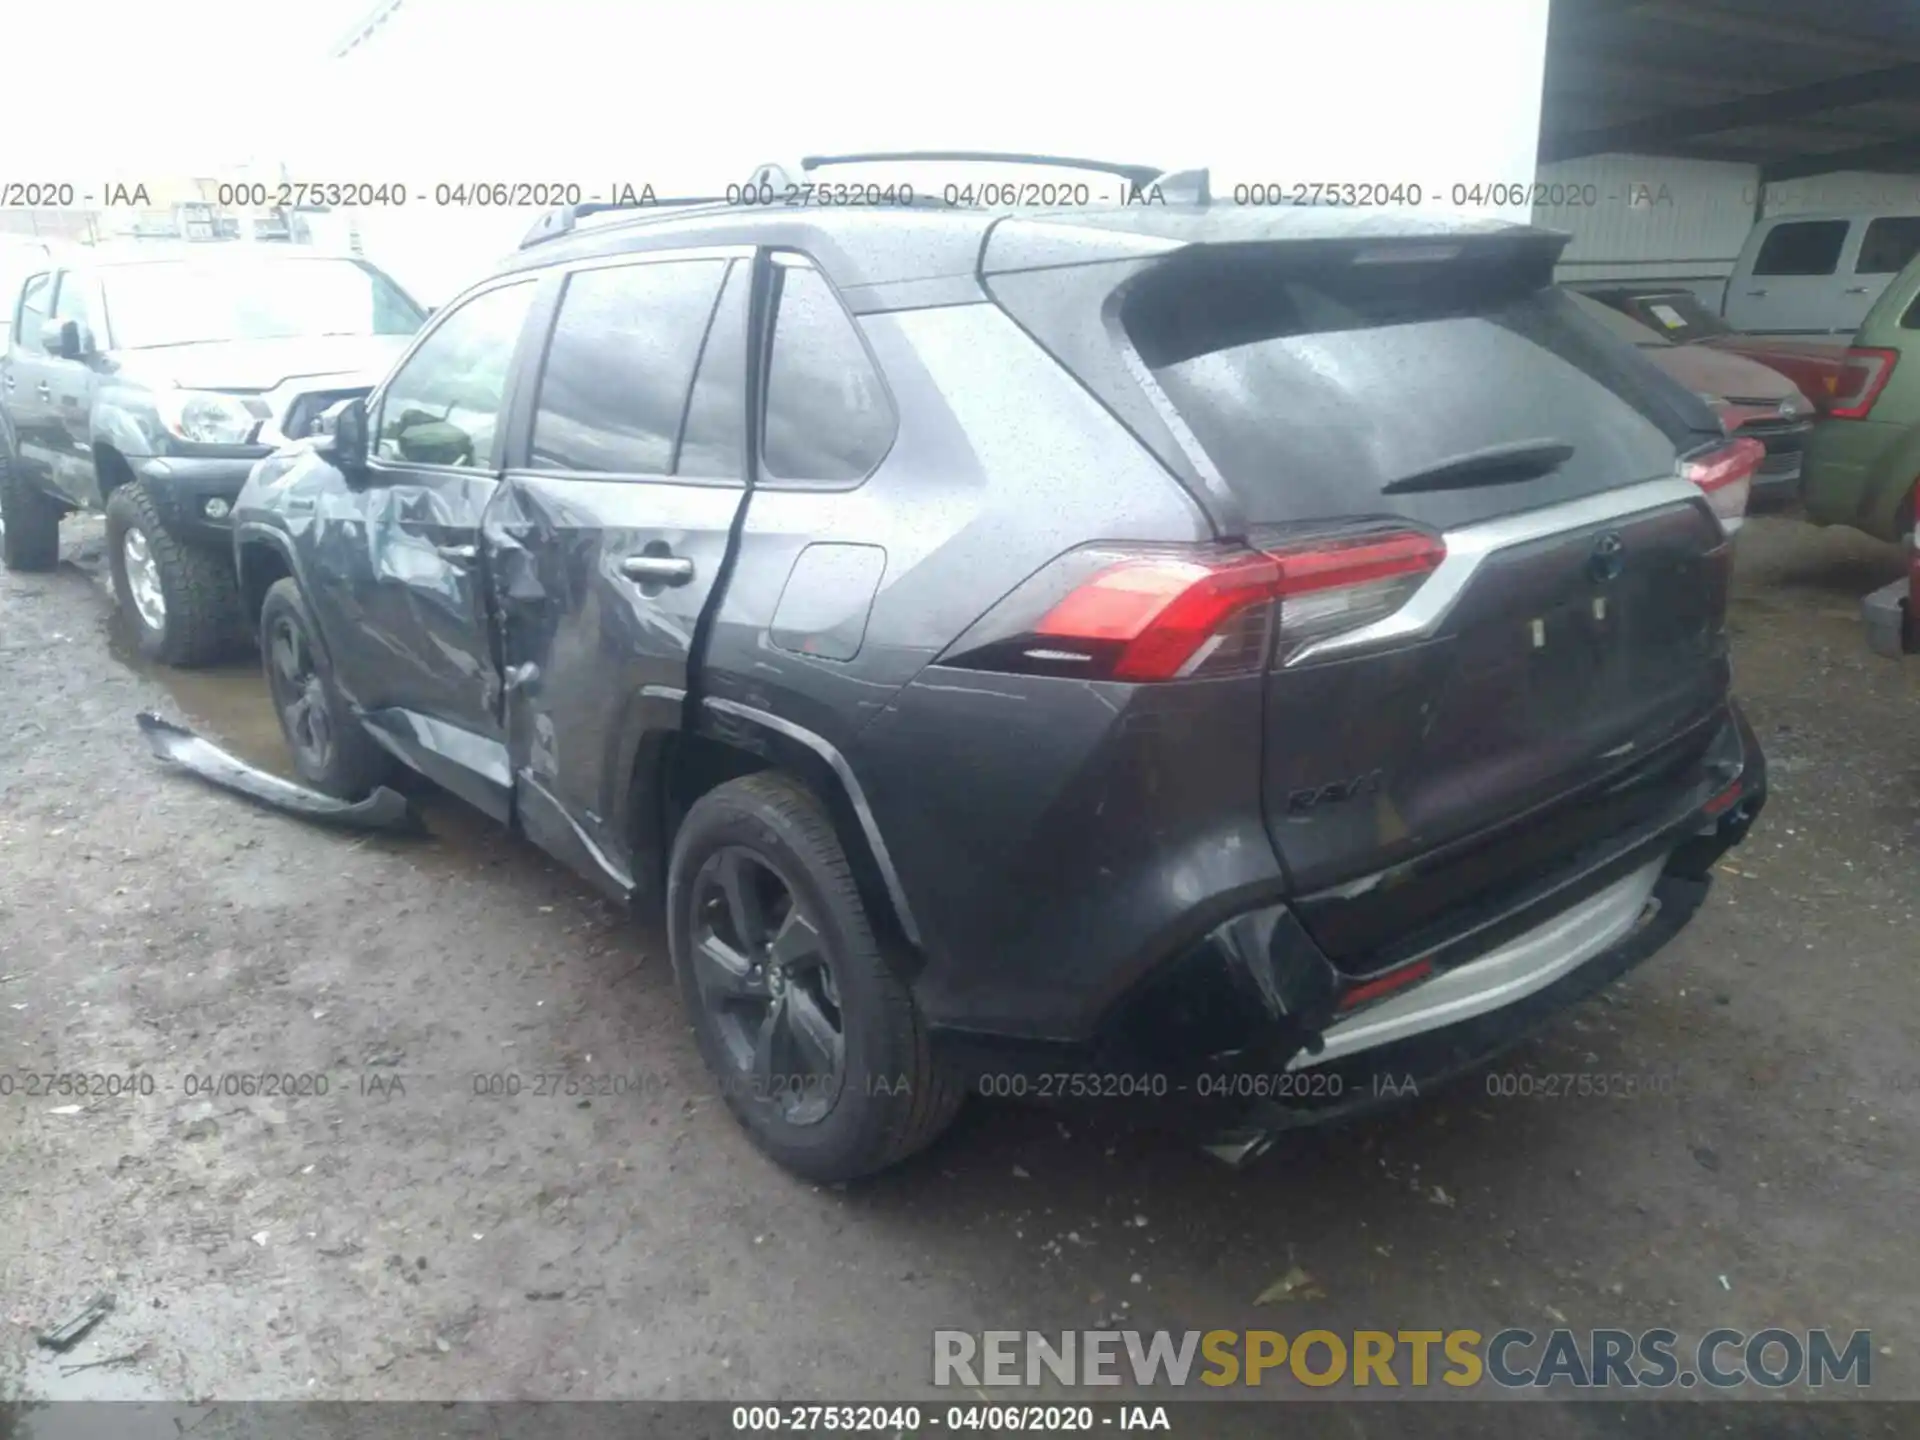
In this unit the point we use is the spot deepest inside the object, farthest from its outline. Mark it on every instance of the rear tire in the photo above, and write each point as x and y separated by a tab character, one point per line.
29	522
768	835
331	750
180	600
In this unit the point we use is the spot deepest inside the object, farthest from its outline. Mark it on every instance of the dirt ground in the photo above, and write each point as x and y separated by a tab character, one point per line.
402	1236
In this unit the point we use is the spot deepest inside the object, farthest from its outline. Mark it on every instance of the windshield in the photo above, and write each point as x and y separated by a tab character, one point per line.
180	302
1678	315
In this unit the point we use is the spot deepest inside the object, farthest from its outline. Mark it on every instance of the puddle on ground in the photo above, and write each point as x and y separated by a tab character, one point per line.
228	703
229	706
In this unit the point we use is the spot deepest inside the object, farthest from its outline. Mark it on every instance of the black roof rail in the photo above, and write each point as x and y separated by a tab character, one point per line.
1136	174
563	219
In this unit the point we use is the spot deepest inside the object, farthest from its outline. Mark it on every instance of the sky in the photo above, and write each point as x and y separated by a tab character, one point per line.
692	95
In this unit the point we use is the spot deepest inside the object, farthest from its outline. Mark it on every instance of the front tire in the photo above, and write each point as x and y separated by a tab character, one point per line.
819	1049
180	600
331	750
29	522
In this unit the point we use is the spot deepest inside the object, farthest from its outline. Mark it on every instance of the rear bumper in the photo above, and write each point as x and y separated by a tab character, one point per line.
1255	1011
1861	473
181	486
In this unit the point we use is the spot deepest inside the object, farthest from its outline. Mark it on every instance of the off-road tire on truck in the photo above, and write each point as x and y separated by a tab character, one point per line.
30	536
331	750
201	596
766	838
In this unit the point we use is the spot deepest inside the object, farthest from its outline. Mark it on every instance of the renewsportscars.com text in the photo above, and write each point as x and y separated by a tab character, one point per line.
1509	1359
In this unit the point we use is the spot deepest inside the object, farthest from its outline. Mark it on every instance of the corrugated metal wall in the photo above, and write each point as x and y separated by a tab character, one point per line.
1845	190
1658	219
1650	218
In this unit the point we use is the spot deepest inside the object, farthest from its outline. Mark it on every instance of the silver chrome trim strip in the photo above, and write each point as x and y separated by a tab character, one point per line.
855	794
1469	546
1503	975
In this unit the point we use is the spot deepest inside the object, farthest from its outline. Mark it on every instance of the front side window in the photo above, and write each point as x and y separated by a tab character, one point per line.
828	415
620	366
1801	247
247	297
444	406
75	301
35	300
1890	242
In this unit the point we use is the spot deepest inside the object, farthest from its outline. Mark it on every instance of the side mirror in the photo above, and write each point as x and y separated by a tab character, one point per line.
67	339
341	434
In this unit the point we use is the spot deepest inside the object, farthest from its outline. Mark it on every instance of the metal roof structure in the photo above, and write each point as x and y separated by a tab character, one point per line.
1798	89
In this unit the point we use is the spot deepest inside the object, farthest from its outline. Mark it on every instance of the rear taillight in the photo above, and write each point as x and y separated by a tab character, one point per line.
1328	588
1863	375
1726	475
1173	613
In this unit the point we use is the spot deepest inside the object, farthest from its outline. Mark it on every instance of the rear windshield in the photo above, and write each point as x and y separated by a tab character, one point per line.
1314	389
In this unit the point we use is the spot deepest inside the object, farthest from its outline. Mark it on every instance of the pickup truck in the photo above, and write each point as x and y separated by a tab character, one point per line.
145	382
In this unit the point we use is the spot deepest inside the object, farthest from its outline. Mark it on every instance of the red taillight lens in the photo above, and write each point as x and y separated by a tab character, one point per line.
1171	613
1726	475
1168	616
1863	375
1329	587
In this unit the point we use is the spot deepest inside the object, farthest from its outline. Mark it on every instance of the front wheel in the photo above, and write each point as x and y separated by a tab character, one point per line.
817	1045
331	749
180	599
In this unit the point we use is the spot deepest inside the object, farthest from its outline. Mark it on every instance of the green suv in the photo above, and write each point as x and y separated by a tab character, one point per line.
1864	456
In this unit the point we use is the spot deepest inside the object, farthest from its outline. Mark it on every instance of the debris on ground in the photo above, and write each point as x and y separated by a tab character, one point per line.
133	1356
384	809
66	1336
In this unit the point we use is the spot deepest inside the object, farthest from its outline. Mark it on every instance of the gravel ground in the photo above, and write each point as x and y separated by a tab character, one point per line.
403	1237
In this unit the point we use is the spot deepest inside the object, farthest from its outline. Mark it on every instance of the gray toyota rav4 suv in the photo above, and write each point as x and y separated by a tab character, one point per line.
1171	652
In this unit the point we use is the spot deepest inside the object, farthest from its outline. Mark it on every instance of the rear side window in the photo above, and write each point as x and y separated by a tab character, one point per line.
35	300
1801	247
620	365
1890	242
828	418
1326	391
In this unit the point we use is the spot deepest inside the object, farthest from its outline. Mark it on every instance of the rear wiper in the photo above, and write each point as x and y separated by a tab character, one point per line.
1506	464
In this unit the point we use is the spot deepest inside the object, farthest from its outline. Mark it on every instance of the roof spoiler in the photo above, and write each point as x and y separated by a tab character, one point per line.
1141	175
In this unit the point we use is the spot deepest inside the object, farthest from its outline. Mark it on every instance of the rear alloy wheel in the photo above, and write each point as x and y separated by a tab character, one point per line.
29	522
816	1043
180	600
767	987
331	749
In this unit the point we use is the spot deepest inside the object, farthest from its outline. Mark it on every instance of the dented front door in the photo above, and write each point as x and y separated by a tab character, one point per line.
398	569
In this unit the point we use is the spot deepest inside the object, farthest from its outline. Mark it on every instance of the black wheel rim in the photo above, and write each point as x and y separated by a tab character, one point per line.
767	987
298	694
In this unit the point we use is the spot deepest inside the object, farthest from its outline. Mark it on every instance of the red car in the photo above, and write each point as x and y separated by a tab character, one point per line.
1679	316
1752	399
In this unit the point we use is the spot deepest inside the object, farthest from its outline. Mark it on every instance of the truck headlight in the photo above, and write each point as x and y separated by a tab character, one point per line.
207	417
